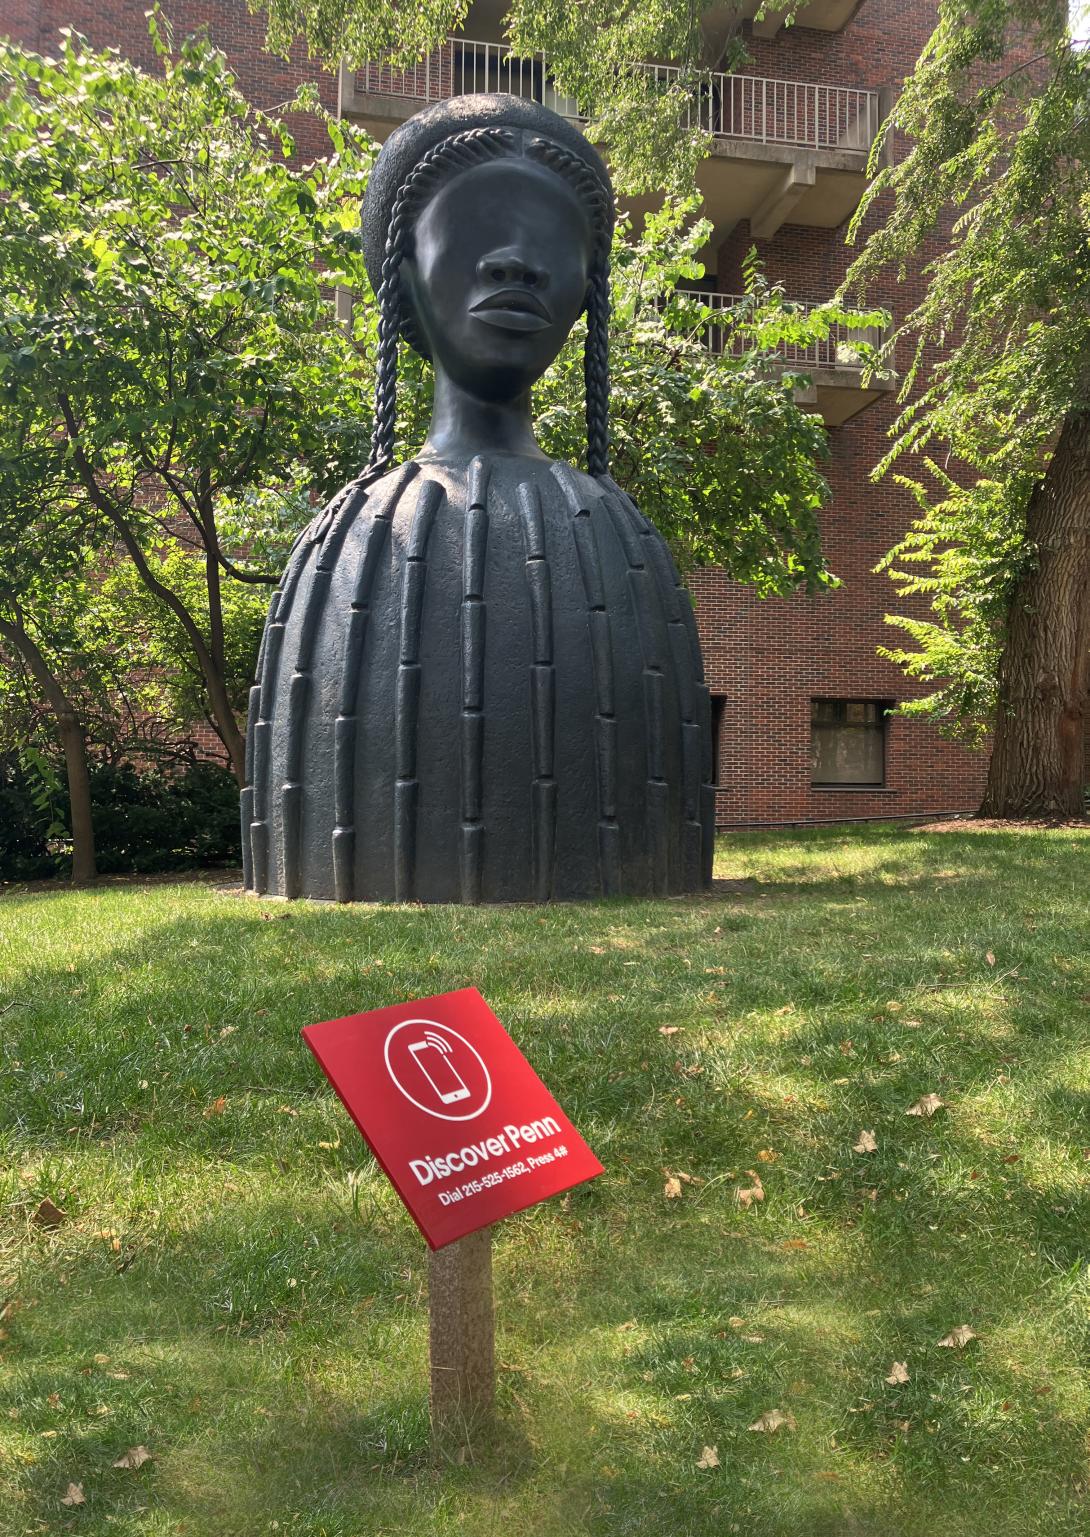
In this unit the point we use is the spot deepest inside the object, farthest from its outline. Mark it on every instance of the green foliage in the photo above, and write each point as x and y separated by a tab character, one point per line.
30	803
711	446
164	307
650	120
151	646
168	349
48	593
997	114
145	819
964	553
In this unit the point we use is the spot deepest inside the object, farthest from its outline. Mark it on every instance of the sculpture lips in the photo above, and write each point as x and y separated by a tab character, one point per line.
513	309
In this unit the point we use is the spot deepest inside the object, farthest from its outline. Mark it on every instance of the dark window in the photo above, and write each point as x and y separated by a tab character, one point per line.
719	705
848	741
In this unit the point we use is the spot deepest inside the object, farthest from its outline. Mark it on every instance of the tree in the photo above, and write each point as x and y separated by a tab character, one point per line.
166	331
998	114
152	648
46	539
594	51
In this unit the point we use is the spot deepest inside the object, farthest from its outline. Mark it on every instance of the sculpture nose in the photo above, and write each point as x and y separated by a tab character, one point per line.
508	268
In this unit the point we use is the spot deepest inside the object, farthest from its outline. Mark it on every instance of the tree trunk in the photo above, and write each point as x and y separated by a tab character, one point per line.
226	723
1038	766
74	742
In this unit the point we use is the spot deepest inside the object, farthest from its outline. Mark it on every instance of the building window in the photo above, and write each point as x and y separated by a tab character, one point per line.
848	741
719	705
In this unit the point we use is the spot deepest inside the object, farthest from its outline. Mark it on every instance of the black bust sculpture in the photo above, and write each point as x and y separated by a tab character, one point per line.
480	678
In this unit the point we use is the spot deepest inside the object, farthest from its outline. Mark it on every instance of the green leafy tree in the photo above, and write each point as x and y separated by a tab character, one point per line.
23	649
46	545
166	330
153	648
998	115
651	119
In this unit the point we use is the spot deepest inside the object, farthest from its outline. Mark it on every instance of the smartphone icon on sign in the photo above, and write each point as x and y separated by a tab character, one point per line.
432	1057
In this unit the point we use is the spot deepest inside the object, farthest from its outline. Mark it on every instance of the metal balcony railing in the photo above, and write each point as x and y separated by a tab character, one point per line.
746	107
840	349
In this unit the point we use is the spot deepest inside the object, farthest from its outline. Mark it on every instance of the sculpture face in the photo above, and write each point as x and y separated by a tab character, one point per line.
497	275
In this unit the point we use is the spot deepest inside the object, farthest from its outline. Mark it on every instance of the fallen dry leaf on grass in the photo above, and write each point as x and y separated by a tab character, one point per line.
709	1457
866	1143
73	1495
669	1029
48	1215
926	1105
767	1155
772	1420
672	1188
754	1192
898	1372
217	1107
990	958
135	1457
958	1338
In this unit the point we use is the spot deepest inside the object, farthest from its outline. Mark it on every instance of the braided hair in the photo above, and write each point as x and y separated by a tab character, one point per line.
461	152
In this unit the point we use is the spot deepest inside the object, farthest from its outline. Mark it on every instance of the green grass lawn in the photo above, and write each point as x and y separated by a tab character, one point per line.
236	1288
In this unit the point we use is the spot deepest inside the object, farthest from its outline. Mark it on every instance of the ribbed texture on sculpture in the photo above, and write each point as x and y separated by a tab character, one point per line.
480	678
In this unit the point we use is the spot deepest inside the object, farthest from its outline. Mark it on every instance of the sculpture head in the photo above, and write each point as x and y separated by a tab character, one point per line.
487	227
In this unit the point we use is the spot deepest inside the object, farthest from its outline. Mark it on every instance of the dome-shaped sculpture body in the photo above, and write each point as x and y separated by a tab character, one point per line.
479	682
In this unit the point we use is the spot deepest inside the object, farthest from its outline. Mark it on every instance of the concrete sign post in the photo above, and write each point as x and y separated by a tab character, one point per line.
468	1134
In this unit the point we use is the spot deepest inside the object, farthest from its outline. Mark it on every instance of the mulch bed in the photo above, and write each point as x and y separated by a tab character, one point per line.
997	824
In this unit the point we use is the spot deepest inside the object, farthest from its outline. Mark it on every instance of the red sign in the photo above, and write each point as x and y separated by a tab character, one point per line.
462	1125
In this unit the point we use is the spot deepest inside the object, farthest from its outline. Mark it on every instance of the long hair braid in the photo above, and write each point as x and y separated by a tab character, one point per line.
598	202
596	373
461	152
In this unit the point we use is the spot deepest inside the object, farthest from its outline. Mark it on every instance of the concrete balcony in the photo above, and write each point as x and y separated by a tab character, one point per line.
834	366
781	150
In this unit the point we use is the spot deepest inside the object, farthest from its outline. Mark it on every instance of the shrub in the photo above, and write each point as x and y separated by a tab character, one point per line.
145	820
148	820
26	824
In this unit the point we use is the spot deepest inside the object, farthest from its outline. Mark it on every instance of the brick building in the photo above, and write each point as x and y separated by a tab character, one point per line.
800	697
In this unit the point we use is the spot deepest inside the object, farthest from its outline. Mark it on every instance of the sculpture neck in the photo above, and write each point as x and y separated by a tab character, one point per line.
463	425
